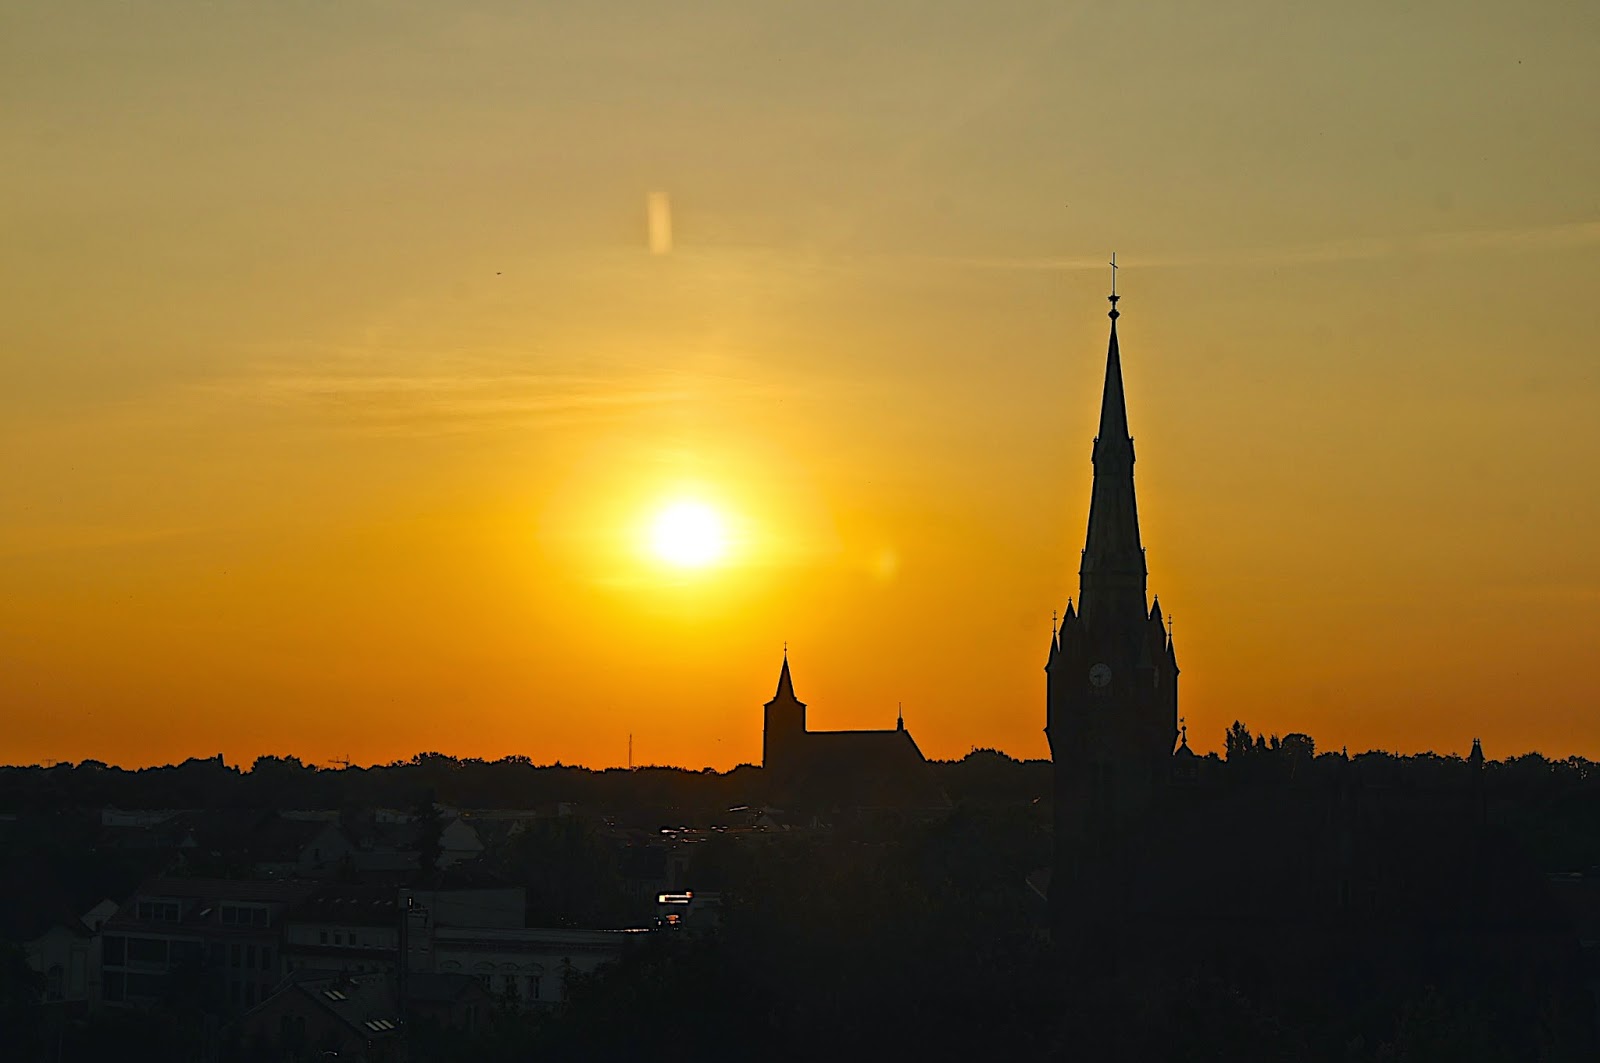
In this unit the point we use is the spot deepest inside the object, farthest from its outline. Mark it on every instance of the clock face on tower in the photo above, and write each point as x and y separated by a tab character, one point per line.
1100	676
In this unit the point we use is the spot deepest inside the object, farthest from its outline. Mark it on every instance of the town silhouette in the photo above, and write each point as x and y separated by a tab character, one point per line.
1127	899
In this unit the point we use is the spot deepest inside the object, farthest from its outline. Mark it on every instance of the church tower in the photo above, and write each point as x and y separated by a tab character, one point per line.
1112	714
784	728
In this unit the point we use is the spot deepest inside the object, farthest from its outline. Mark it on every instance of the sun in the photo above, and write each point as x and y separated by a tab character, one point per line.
689	535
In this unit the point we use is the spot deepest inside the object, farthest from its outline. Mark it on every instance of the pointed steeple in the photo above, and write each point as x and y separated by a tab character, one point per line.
1113	402
785	684
1112	577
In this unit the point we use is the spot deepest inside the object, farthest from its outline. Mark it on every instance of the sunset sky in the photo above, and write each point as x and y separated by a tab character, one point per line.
353	351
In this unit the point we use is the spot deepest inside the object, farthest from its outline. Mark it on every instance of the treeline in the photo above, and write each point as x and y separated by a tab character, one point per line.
983	776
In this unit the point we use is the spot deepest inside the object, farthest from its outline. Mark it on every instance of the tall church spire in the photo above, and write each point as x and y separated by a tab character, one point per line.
785	684
1112	578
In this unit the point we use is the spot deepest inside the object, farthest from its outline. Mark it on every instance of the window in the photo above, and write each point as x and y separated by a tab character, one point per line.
338	939
158	911
233	955
53	979
147	950
113	985
111	951
533	987
266	957
250	956
239	915
322	937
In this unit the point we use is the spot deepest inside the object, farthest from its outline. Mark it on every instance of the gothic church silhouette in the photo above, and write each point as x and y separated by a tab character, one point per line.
840	769
1112	673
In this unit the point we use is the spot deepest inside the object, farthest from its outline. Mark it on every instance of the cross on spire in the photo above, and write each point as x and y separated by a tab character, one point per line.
1114	295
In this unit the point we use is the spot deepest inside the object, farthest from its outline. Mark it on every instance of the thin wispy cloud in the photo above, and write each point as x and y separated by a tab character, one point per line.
1530	238
21	538
476	396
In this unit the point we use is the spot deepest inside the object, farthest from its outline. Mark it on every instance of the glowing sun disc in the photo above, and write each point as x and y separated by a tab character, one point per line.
689	534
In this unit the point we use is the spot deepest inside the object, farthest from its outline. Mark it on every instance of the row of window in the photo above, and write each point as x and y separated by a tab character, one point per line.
117	951
351	968
339	937
229	914
508	985
238	915
158	911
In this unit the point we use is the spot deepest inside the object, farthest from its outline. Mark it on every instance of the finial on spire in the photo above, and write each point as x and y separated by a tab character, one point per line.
900	720
1114	296
1052	623
1183	730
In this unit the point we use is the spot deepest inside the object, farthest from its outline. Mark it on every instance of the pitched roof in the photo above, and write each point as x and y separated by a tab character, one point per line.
350	905
364	1002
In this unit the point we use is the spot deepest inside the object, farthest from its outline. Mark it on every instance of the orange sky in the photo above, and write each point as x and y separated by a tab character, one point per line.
351	349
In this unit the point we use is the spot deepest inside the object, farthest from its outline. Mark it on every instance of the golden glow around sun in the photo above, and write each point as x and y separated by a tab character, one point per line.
688	534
